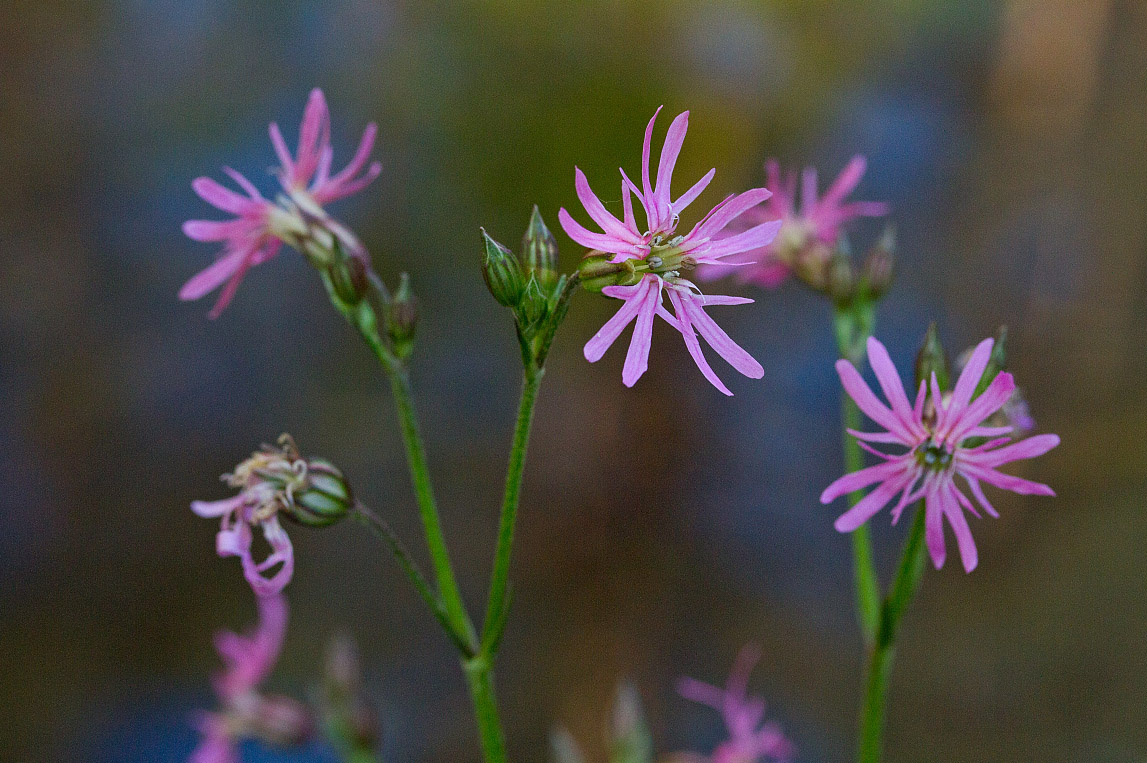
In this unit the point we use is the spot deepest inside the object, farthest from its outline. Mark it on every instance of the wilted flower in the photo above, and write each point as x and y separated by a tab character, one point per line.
296	217
274	481
652	260
806	238
941	443
244	711
750	740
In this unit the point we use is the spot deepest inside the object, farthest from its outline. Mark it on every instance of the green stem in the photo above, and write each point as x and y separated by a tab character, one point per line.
882	652
497	602
853	327
424	493
384	531
480	679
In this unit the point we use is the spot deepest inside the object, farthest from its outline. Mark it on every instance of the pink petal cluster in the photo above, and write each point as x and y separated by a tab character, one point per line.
938	449
659	243
248	660
257	231
818	222
749	740
256	505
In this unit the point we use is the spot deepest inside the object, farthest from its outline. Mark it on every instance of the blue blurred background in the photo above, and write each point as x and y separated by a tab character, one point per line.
663	526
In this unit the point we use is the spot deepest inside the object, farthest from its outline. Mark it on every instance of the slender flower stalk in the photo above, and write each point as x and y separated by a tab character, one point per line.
261	226
653	259
750	739
807	236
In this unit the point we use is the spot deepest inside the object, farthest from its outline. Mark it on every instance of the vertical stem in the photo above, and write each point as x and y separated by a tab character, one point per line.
480	679
424	493
882	652
853	327
499	579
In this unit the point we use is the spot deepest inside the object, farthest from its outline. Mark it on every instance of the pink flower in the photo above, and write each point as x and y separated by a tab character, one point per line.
260	226
258	504
939	448
248	660
749	740
661	255
813	232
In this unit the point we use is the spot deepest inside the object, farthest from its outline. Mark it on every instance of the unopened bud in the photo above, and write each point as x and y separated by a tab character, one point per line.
878	267
596	271
840	282
533	304
540	251
402	317
932	359
348	276
502	271
629	733
996	361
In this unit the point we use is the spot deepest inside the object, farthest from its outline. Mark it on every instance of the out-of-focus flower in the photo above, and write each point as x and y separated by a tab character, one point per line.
807	237
638	266
244	711
296	217
274	481
750	740
940	445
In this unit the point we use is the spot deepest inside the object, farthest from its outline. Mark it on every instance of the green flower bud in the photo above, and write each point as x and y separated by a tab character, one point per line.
348	276
932	359
840	281
533	304
540	251
596	272
311	491
877	271
631	741
502	272
402	317
996	361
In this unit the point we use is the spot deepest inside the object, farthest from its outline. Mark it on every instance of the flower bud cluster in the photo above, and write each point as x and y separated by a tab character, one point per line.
529	285
835	274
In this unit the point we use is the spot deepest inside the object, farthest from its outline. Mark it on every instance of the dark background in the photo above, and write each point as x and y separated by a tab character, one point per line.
662	527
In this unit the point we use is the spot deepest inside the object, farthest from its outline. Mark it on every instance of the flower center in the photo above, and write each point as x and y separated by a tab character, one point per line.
934	456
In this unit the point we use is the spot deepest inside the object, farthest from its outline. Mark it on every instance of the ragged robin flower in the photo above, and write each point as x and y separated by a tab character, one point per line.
641	264
296	217
244	710
944	437
750	740
807	236
275	481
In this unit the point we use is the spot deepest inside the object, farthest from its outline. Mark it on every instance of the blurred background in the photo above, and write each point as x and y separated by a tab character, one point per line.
663	526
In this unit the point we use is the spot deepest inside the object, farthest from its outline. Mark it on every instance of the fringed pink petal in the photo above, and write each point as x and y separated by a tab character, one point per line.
898	477
691	195
224	198
754	238
605	337
670	150
598	213
733	353
845	182
859	391
685	326
589	239
214	275
211	509
647	189
964	540
1028	448
970	377
934	527
637	359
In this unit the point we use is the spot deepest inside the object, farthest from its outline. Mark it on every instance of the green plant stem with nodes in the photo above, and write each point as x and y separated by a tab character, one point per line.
879	618
477	655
